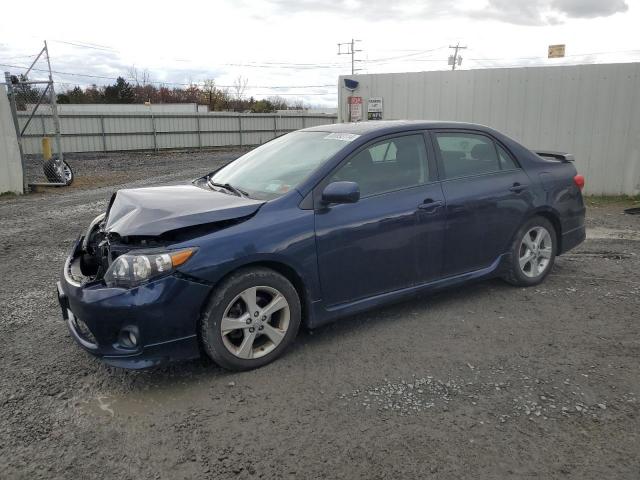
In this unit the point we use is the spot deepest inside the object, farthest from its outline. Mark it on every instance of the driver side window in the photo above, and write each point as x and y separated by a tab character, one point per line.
388	165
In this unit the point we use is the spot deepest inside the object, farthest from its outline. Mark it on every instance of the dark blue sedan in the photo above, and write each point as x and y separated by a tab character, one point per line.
312	226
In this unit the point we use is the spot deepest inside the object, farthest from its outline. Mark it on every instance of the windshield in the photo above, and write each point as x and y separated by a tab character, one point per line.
282	164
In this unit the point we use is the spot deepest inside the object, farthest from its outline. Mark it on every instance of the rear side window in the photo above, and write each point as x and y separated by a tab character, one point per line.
392	164
465	154
506	162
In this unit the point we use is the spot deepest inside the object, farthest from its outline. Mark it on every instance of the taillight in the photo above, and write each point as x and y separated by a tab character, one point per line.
579	181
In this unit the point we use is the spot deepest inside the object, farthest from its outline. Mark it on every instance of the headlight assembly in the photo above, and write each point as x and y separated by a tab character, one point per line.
132	269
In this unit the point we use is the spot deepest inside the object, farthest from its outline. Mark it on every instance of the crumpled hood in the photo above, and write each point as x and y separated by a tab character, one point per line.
156	210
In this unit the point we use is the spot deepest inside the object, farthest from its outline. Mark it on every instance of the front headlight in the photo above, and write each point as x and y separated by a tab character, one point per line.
132	269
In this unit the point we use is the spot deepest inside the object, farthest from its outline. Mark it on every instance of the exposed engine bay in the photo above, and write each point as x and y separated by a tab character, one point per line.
147	220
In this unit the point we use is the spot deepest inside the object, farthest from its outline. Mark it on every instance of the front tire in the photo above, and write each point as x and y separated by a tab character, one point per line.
251	319
533	253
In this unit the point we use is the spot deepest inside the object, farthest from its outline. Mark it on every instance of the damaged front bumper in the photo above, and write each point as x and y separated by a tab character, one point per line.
135	328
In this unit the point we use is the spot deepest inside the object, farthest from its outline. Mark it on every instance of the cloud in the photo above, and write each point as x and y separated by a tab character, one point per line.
519	12
368	9
590	8
86	67
545	12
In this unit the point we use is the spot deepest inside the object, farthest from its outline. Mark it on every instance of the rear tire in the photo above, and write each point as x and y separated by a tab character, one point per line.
58	172
251	319
533	253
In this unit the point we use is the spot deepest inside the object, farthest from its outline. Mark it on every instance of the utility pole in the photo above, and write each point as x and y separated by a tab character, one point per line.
453	59
351	50
54	108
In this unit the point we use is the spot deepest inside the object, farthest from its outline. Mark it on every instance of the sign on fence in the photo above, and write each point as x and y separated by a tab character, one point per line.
374	108
355	109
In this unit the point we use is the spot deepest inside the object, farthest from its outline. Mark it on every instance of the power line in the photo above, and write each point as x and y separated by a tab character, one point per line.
19	56
276	64
534	65
87	45
418	53
291	66
299	94
249	64
410	61
74	74
411	57
545	58
259	65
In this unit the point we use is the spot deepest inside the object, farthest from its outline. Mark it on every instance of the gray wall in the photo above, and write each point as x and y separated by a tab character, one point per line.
10	163
592	111
84	132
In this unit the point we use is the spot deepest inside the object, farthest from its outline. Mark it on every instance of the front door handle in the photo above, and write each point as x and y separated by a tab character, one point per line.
430	205
517	187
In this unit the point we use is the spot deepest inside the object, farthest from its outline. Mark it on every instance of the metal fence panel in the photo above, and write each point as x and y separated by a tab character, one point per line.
257	138
217	123
221	139
85	132
177	140
257	123
289	123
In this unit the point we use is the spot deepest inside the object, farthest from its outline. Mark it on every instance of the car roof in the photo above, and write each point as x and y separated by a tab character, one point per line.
391	126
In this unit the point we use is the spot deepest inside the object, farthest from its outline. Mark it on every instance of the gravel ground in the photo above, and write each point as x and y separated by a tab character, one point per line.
486	381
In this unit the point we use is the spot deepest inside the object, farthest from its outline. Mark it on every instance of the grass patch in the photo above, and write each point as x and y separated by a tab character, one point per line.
8	195
604	200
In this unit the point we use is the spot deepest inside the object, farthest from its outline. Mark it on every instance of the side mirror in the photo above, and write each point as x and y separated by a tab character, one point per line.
341	192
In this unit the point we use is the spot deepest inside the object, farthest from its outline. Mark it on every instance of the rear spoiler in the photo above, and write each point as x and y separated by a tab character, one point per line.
563	157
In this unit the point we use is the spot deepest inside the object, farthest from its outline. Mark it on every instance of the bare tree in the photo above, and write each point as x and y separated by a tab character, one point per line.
146	77
281	103
209	90
240	87
139	77
216	98
296	104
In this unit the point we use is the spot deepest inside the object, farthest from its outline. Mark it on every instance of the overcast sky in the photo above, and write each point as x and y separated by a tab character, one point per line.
293	43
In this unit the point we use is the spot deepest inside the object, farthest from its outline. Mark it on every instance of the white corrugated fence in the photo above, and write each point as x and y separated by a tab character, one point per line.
85	132
592	111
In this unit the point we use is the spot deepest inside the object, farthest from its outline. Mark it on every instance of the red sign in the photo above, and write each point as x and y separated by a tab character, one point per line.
355	109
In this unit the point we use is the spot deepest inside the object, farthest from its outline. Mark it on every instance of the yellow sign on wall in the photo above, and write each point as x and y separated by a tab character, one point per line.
556	51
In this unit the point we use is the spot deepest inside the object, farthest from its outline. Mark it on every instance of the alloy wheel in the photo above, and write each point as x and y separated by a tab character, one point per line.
535	252
255	322
67	174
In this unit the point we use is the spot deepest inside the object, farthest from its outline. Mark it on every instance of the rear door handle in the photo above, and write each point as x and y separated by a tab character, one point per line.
430	205
517	187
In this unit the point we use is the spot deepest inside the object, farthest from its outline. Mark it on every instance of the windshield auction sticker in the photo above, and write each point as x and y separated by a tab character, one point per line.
345	137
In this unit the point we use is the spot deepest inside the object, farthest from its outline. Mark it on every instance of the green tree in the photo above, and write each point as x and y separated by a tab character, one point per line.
262	106
77	95
93	94
120	92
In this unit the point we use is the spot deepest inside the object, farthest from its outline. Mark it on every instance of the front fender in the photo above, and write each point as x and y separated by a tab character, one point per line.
284	237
